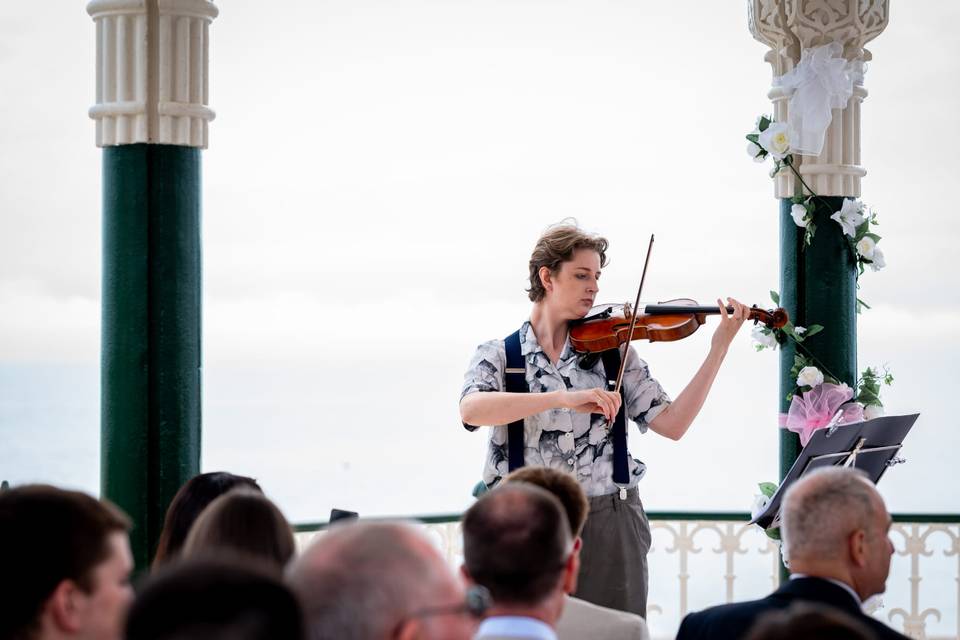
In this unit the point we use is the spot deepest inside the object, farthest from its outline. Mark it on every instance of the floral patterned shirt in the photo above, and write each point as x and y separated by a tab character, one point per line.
562	438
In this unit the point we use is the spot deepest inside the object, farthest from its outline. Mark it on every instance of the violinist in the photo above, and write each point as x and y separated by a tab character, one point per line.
561	409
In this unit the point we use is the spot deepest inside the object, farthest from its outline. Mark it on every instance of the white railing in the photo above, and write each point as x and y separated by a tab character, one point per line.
696	563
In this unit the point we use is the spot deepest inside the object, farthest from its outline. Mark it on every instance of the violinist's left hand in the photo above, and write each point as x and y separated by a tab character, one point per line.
730	323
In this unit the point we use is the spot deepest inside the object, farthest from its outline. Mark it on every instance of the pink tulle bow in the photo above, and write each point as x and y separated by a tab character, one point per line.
814	409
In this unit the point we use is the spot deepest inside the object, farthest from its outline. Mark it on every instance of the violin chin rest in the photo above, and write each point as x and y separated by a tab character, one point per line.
588	361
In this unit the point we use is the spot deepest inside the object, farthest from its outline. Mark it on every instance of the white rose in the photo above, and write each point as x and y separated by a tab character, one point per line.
878	261
866	247
764	338
799	214
756	152
809	377
776	140
799	330
872	411
850	216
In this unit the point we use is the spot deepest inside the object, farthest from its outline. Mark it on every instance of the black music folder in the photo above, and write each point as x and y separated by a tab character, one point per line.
871	445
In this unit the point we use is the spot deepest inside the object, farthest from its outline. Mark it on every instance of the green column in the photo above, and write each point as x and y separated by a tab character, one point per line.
818	285
150	373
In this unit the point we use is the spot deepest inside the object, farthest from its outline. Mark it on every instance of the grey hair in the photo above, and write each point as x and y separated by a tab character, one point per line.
361	579
821	510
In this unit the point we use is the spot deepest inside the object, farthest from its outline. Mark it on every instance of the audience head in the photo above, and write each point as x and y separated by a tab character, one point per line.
517	544
835	525
65	564
215	598
372	581
804	620
192	498
243	522
564	488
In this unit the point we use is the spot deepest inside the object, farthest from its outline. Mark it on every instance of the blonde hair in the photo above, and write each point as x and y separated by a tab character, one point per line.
555	247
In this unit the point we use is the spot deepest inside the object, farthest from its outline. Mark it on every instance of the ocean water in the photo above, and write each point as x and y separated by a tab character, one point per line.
329	434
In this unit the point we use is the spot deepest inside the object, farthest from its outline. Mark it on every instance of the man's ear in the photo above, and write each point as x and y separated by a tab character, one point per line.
64	607
577	545
858	548
409	630
572	569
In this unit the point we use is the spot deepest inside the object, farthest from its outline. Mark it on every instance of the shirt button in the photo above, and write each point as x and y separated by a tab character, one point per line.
570	461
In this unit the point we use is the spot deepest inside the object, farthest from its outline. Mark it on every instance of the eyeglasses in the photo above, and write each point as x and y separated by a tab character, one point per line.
476	603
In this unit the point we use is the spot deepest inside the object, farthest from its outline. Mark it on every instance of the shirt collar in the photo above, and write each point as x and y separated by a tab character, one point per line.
516	627
843	585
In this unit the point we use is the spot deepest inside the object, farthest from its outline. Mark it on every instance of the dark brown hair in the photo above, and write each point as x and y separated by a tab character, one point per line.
215	598
243	522
48	535
192	498
516	543
556	246
562	485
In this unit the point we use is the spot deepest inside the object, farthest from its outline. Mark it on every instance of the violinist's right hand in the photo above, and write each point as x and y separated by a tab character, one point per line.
593	401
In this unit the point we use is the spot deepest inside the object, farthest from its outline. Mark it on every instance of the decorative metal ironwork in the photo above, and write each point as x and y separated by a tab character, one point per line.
687	549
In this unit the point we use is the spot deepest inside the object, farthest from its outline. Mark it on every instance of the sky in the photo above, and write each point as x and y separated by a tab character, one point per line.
378	172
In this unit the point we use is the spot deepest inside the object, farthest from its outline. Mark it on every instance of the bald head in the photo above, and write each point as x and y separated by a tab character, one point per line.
360	580
823	508
835	525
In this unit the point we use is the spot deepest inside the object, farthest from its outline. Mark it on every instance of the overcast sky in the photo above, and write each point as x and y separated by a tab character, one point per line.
377	174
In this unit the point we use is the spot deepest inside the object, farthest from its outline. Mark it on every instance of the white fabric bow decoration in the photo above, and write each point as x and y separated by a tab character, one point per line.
822	81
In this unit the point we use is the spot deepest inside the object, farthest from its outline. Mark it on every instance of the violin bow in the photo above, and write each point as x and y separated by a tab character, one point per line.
633	319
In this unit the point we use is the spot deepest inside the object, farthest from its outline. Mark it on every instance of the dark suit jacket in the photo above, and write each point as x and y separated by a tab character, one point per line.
730	621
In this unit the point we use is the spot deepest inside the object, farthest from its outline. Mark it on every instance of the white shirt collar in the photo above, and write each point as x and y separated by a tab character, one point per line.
516	627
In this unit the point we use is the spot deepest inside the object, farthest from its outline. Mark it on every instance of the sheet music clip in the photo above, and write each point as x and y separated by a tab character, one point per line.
871	445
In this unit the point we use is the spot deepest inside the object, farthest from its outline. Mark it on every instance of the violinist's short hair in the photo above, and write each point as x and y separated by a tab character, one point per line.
555	247
563	486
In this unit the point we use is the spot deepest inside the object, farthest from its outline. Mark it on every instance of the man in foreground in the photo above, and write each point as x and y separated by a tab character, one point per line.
835	526
517	544
65	565
580	619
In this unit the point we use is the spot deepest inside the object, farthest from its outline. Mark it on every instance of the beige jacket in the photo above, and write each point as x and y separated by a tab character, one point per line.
582	619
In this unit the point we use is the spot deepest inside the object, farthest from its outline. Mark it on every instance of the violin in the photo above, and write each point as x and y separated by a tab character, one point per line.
608	326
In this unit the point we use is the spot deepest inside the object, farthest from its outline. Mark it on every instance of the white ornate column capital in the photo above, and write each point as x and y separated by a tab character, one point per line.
152	71
790	26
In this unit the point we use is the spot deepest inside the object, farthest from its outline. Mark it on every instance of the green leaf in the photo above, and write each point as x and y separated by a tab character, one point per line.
861	303
872	236
773	534
764	123
767	488
813	330
754	138
775	297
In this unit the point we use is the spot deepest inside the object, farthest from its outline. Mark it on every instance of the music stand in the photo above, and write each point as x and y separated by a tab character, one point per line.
871	445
